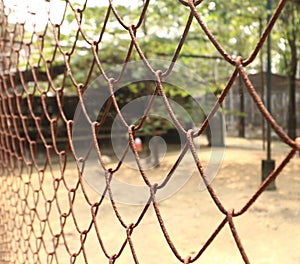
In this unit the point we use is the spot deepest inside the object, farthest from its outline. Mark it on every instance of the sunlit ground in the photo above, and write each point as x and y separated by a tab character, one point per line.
269	230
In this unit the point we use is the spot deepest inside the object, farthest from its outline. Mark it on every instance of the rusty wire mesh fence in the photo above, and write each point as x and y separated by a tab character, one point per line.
48	214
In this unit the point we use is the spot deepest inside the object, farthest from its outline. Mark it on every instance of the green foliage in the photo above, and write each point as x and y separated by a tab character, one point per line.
237	25
235	113
289	39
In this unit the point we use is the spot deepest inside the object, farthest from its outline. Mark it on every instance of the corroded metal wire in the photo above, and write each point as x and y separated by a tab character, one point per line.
27	185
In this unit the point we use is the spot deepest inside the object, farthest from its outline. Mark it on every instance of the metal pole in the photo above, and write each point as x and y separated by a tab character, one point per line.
268	165
242	109
262	79
269	72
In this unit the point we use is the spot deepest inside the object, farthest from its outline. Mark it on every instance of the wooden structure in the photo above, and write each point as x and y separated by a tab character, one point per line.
240	104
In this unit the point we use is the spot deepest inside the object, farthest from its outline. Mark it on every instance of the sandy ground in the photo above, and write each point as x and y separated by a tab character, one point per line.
269	230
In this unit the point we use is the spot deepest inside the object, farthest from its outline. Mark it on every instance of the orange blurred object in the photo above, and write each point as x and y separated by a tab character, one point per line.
138	144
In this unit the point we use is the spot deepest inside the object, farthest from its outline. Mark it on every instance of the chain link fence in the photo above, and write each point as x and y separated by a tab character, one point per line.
48	210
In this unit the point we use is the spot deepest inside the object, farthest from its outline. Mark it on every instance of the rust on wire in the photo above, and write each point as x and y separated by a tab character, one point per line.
27	184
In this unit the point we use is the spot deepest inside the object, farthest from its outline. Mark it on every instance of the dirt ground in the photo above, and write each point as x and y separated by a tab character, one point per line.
269	230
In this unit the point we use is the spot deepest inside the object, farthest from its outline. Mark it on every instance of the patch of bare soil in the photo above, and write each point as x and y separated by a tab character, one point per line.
269	230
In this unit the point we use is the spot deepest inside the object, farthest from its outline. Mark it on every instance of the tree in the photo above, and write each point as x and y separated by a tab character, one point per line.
290	25
238	30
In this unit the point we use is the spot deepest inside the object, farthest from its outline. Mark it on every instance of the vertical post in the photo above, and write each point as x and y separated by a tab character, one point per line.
269	83
242	109
155	152
268	165
261	58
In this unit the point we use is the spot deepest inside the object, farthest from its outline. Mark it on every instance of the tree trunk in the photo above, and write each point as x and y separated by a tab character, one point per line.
292	120
291	19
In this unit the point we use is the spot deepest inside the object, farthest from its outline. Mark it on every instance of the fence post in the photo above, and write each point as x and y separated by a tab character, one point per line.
268	165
